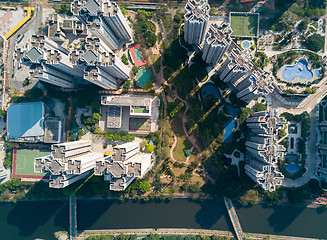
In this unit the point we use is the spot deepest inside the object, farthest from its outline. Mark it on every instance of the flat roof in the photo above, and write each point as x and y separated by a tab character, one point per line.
25	120
126	100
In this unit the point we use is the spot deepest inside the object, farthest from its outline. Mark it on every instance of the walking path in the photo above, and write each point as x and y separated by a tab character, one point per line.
183	231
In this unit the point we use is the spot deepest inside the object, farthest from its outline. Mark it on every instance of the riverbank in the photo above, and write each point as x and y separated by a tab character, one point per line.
176	231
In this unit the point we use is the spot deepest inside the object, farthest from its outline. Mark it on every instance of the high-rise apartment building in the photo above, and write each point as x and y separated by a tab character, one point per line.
68	163
124	165
104	20
72	161
196	19
100	65
262	150
216	42
49	62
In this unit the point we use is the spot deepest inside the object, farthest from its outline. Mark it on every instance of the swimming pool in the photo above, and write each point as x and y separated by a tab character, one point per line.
229	126
143	76
246	44
300	70
209	89
292	168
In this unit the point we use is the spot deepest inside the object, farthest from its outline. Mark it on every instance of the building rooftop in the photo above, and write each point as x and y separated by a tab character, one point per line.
126	100
92	6
33	54
25	120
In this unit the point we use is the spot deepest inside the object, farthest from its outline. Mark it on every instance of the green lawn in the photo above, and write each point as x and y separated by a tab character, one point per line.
140	109
244	24
25	161
182	143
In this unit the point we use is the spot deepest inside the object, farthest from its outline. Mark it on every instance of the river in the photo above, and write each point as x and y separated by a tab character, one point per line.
28	220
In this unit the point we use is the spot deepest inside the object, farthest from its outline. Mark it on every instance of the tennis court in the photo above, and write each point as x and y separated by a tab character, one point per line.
244	24
140	124
136	55
23	163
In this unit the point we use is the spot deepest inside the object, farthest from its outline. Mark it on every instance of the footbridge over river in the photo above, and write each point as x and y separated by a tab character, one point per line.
72	217
234	219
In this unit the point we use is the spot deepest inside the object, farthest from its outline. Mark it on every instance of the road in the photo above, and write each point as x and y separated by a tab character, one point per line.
32	25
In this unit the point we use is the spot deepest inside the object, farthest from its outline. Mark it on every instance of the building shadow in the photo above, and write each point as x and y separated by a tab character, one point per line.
283	216
213	215
39	218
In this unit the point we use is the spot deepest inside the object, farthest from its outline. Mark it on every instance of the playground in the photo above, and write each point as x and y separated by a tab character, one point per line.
23	163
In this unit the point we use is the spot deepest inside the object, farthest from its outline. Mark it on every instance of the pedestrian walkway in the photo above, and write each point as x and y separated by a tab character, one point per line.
234	219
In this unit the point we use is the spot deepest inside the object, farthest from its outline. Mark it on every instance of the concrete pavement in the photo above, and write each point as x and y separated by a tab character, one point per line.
311	149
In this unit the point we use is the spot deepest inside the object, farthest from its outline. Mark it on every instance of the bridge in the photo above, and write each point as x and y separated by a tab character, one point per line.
234	219
72	217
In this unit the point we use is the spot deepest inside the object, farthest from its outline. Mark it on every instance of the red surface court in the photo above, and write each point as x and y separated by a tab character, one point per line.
137	56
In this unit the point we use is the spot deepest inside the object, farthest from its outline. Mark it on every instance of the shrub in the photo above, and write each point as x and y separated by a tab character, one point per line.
149	148
124	59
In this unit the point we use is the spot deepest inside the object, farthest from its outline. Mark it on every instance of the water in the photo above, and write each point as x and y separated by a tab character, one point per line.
246	44
292	168
143	76
300	70
209	89
209	214
228	131
30	220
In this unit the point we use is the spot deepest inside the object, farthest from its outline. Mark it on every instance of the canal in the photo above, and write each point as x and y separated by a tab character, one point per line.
29	220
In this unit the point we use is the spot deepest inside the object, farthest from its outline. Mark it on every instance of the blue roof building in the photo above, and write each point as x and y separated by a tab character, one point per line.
25	120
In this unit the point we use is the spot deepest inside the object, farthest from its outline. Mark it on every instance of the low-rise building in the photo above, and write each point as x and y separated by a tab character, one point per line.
30	122
133	113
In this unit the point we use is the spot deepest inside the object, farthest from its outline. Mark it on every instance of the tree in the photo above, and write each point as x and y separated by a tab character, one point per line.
249	198
144	186
124	59
149	148
245	114
273	198
73	137
150	38
96	116
260	107
80	132
135	69
304	24
26	82
144	143
127	85
281	133
315	42
124	11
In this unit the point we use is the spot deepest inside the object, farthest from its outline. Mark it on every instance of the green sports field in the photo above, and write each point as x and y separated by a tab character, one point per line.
244	24
25	161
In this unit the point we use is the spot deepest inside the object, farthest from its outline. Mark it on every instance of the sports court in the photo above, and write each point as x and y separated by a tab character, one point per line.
244	24
23	163
140	124
137	55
